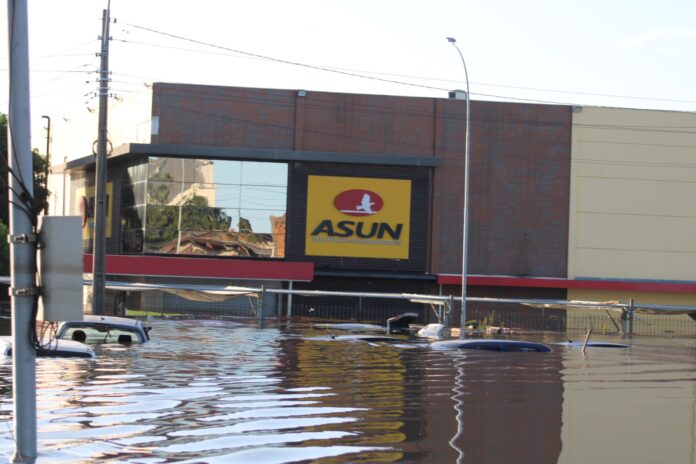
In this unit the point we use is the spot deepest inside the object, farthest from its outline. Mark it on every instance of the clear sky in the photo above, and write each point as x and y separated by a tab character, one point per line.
624	53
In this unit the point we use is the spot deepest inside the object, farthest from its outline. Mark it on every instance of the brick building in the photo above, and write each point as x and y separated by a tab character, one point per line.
245	186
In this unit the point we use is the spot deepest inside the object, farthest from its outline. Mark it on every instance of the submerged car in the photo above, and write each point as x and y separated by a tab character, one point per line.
488	344
104	329
55	349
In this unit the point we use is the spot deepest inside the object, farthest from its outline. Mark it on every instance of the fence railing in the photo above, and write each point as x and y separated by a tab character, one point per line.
528	314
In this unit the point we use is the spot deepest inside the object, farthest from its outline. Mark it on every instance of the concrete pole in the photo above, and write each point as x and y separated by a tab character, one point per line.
22	237
99	236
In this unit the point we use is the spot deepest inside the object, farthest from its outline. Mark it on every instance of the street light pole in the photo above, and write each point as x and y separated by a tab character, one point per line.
465	226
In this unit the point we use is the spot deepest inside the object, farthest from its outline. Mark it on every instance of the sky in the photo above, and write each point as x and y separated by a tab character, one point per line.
618	53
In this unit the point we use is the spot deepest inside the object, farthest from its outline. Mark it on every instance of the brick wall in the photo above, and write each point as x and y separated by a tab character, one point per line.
519	188
520	159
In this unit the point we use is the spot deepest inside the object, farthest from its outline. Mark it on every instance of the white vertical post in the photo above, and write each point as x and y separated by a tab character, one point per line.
22	251
289	311
262	303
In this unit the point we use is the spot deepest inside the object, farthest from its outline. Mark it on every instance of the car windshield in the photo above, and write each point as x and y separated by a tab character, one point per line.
100	334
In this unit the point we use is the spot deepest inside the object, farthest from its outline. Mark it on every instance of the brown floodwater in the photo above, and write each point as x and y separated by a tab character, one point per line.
223	392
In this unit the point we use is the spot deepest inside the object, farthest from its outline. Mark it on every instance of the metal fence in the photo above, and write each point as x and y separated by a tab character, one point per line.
509	315
363	308
666	325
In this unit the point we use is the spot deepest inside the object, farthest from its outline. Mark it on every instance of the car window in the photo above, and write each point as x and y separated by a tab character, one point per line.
93	335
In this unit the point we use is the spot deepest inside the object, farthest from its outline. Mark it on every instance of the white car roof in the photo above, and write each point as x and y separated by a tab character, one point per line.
114	320
62	346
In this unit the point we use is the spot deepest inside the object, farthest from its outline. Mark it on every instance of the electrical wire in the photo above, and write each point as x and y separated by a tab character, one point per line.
364	74
426	78
5	184
361	73
280	60
331	106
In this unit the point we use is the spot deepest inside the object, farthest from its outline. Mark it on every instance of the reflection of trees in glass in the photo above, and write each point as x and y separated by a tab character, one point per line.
161	223
247	235
132	210
245	225
127	193
197	215
158	192
161	219
197	207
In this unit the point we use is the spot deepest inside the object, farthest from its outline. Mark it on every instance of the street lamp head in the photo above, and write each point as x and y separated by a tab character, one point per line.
451	40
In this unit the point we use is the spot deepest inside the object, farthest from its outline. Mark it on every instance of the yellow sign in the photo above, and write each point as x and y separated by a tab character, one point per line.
358	217
85	206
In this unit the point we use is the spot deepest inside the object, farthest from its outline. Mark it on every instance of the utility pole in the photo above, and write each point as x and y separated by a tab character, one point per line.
22	236
99	235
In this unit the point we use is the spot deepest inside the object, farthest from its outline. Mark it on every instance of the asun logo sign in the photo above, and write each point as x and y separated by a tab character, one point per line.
358	202
358	217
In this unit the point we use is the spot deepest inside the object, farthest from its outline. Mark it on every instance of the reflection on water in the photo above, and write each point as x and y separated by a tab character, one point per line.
221	393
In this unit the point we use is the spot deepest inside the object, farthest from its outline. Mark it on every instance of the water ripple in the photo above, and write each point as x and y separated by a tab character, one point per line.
221	393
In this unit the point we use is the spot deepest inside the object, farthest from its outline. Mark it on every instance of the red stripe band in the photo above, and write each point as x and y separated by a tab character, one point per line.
167	266
548	282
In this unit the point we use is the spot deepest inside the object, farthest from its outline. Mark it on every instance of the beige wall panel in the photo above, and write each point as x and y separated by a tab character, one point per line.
622	125
633	195
635	264
596	158
633	232
676	299
656	298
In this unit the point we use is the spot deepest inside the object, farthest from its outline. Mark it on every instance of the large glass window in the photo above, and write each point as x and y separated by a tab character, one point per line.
212	207
133	190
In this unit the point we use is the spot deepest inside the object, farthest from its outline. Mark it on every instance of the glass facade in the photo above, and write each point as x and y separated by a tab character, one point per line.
204	207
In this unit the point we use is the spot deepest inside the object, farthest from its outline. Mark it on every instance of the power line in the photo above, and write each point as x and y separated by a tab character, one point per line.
279	60
364	74
589	93
63	71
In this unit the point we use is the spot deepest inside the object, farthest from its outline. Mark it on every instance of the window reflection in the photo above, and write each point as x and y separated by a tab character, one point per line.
210	207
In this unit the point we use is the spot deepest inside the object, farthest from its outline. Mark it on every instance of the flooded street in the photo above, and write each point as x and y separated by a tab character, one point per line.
222	392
